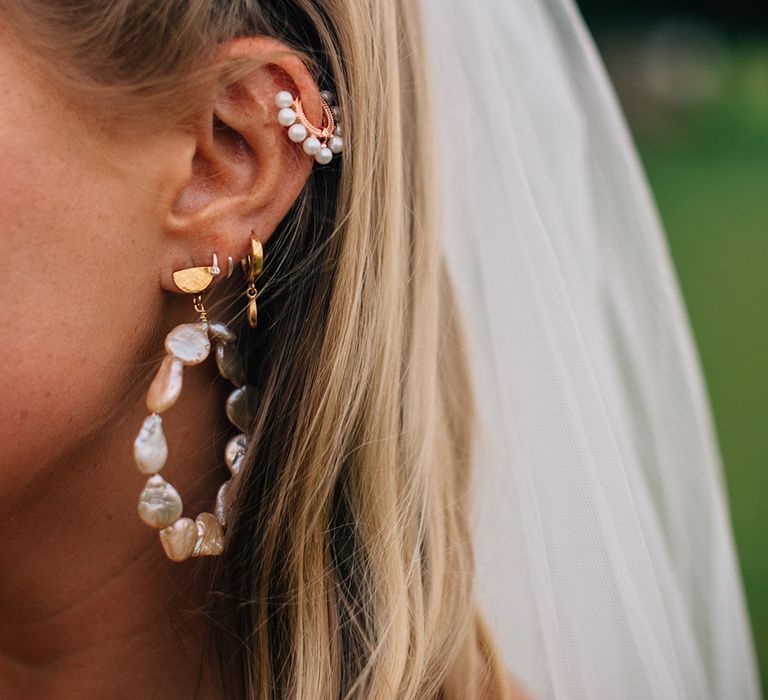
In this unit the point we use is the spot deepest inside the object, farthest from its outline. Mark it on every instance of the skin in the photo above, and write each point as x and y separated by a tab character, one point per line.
94	222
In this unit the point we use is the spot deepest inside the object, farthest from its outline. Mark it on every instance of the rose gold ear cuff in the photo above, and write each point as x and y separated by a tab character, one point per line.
320	142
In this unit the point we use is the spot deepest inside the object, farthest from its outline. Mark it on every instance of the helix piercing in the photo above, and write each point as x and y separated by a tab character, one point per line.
320	142
230	265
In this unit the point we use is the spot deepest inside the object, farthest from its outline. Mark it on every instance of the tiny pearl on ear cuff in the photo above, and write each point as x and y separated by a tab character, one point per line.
322	143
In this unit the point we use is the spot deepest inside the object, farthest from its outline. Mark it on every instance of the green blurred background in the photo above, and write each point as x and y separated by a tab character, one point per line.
693	80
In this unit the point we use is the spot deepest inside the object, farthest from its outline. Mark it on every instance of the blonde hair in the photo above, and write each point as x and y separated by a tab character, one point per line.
348	569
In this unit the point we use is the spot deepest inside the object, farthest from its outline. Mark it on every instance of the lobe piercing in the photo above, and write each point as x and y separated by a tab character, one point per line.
229	263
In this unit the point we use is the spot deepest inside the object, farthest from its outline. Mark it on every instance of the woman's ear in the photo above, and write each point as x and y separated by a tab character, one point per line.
243	172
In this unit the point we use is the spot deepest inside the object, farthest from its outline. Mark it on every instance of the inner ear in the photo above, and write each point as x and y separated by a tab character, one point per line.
229	140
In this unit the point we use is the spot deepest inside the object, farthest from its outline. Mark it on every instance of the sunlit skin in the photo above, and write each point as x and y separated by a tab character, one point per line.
94	222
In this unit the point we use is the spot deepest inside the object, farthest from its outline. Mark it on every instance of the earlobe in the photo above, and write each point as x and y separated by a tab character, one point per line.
246	172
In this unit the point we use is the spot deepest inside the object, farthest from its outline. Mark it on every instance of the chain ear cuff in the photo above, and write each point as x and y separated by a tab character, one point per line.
320	142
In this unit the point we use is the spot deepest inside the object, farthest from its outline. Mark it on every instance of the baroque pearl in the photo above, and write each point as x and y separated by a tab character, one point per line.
336	144
234	453
312	145
220	331
179	539
238	407
222	503
297	133
229	364
159	503
166	386
189	342
210	536
150	449
283	99
324	156
286	116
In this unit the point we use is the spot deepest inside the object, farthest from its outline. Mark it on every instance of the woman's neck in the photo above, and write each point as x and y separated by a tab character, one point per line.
91	606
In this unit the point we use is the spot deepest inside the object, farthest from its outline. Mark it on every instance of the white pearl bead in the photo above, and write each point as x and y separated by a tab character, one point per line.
286	116
283	99
336	113
324	156
336	144
159	503
312	146
166	386
150	448
189	342
337	130
297	133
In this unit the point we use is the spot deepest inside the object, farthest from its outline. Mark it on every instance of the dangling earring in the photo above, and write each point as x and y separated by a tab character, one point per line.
252	266
160	504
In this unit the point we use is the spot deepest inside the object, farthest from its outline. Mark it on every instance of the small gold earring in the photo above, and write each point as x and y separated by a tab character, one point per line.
194	280
252	266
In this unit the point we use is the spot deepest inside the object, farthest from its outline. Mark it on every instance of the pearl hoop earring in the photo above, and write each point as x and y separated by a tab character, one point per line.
320	142
160	505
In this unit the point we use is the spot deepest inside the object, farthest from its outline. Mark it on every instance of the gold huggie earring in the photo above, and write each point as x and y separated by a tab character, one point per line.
160	504
252	266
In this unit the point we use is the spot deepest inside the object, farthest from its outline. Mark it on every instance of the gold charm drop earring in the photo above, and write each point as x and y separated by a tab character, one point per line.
252	266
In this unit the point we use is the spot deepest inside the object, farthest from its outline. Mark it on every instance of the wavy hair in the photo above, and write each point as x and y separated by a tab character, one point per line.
348	566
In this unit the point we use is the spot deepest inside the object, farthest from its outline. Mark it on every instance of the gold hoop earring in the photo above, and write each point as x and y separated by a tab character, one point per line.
252	266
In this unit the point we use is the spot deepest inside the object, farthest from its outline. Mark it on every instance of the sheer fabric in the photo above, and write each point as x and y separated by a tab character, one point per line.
605	559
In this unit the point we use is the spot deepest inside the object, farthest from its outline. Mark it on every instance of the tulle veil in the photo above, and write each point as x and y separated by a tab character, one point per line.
604	553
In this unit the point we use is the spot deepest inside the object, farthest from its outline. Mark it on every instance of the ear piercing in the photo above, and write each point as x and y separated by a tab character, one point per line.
320	142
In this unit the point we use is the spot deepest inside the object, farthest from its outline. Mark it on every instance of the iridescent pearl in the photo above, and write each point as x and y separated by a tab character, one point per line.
283	99
286	116
324	156
166	386
238	408
159	503
222	504
312	145
210	536
234	453
336	113
297	133
220	331
150	449
189	342
179	539
328	96
229	364
337	130
336	144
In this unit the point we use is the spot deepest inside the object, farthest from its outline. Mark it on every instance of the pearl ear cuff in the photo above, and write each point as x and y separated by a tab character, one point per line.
322	143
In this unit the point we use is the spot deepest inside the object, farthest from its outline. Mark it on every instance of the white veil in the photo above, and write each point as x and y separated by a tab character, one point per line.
605	560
